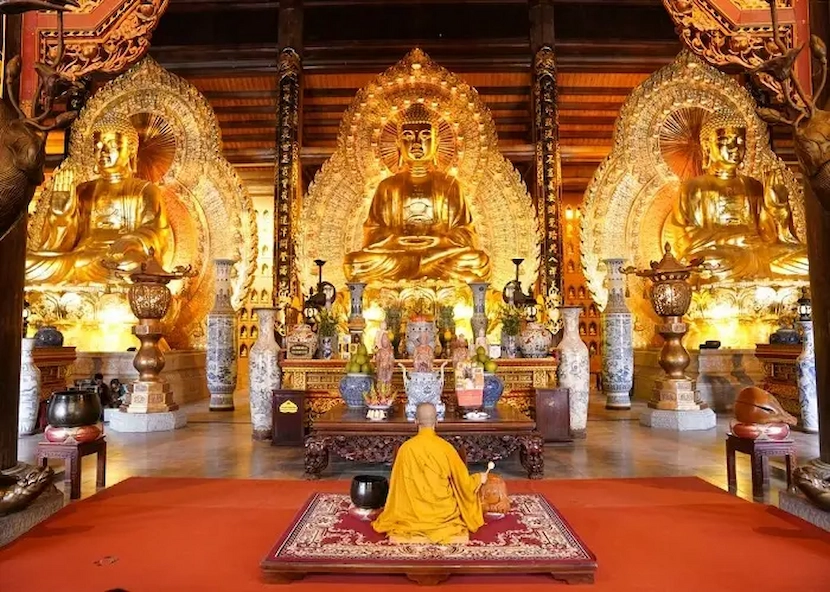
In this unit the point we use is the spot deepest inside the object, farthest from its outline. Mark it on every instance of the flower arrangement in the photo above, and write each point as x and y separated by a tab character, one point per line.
421	312
511	319
326	323
381	395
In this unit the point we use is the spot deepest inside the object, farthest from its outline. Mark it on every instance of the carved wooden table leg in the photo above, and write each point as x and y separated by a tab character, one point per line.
101	471
532	455
316	457
73	469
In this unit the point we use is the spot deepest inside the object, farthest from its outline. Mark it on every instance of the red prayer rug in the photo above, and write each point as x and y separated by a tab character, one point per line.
531	538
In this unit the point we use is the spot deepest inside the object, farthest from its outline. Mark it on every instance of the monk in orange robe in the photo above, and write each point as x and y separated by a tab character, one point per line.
432	497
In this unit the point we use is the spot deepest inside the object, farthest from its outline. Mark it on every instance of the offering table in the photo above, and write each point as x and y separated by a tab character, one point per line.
348	434
320	379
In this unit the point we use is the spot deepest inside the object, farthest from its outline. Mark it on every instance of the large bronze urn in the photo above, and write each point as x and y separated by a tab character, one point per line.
670	296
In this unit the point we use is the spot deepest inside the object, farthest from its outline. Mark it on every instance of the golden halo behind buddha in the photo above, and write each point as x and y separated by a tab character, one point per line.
340	195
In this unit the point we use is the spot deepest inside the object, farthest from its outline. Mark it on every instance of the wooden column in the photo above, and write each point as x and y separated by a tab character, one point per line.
12	271
818	251
546	141
287	190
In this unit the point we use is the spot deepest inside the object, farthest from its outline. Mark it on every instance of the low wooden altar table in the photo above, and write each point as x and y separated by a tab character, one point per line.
348	434
320	379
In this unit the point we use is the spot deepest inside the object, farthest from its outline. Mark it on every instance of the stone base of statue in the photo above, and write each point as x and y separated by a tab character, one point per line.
675	406
679	421
794	502
165	421
19	523
676	394
151	397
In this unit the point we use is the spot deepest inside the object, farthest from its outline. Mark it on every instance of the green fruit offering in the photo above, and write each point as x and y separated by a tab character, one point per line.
490	366
361	350
365	369
480	351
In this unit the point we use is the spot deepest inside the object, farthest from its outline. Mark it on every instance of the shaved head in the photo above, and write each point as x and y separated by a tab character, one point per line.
425	415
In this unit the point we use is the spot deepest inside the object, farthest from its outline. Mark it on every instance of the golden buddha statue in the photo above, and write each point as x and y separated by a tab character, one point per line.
116	216
737	223
419	225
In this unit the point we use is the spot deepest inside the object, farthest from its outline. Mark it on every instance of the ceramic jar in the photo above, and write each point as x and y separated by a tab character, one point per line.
48	336
806	371
263	374
221	341
301	343
573	371
509	346
353	387
29	390
493	389
617	341
414	330
423	387
328	346
535	341
479	320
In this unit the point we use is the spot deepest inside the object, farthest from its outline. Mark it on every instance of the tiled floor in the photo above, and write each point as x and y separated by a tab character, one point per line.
220	445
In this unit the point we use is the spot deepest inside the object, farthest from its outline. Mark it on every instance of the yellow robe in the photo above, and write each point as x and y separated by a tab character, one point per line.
432	496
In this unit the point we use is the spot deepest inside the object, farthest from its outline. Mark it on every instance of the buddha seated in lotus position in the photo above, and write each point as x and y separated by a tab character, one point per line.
116	216
432	497
742	226
419	225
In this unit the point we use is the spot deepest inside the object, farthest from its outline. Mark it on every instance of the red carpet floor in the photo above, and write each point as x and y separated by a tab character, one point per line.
667	535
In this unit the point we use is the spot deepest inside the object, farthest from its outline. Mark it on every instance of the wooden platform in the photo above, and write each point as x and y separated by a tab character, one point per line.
531	539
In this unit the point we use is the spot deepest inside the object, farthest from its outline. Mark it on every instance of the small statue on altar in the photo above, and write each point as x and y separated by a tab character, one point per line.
419	224
432	496
384	359
741	225
460	351
481	340
382	330
117	216
424	354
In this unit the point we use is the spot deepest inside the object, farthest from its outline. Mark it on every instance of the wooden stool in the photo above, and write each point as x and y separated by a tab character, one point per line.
72	455
758	451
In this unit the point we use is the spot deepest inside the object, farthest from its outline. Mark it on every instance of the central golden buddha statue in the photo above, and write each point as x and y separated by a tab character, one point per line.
743	226
419	225
116	216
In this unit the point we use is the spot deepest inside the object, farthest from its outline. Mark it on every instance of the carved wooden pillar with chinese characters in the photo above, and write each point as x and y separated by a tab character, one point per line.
546	141
287	175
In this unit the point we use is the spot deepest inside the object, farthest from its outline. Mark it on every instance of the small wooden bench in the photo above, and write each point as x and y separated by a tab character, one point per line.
759	451
72	455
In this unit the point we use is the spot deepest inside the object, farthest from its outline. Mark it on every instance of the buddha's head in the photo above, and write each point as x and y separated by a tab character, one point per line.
417	135
723	142
116	146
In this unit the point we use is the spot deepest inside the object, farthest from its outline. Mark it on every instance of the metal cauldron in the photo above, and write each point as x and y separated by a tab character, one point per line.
73	408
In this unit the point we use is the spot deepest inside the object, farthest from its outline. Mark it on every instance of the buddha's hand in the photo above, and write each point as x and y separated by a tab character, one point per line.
418	242
775	191
63	192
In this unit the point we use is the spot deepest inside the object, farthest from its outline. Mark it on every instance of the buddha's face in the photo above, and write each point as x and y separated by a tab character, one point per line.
727	146
418	142
112	152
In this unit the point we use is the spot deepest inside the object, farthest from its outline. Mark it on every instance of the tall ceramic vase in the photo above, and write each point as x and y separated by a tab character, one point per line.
573	371
806	368
263	374
479	320
221	341
617	341
29	390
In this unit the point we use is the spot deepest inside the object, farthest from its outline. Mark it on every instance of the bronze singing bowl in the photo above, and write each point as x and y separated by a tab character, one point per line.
72	409
368	492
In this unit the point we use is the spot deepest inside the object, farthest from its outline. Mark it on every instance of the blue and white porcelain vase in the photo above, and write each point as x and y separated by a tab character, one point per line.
423	387
479	320
263	374
29	390
493	390
221	341
48	336
573	371
617	341
806	368
353	387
